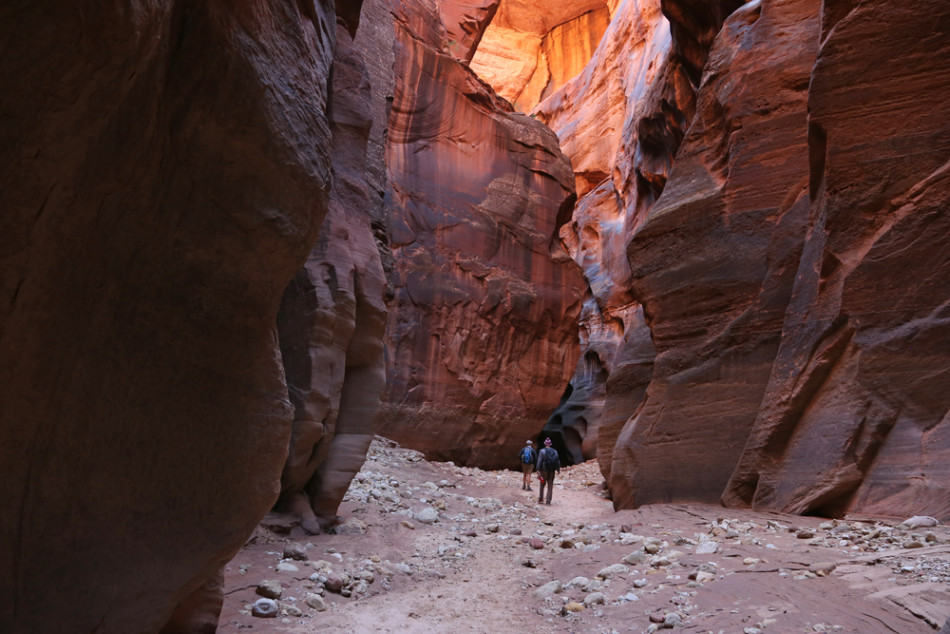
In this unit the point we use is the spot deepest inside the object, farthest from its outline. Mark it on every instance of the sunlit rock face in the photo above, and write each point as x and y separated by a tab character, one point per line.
531	49
774	335
166	171
482	331
591	116
855	415
332	317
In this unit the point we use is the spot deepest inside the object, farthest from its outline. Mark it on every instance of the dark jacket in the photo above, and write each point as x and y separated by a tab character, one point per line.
553	460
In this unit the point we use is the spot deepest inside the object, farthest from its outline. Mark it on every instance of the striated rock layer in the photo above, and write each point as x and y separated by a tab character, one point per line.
332	316
855	416
773	330
482	332
166	169
530	51
714	259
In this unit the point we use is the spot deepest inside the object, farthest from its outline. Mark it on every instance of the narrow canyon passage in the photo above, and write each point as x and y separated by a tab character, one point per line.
701	244
433	547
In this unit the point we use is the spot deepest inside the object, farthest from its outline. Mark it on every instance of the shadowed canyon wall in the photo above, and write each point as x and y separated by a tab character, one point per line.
482	332
332	316
760	236
166	171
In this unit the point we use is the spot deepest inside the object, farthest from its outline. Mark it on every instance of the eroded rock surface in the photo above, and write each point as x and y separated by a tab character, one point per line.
780	264
332	317
856	413
482	329
166	170
714	259
529	50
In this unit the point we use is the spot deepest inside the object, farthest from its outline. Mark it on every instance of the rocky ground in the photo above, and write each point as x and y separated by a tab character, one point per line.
433	547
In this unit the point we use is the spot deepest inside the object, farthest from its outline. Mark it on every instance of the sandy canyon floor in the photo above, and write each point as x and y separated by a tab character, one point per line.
433	547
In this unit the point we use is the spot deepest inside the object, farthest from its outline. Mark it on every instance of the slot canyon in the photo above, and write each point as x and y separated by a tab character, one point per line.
311	272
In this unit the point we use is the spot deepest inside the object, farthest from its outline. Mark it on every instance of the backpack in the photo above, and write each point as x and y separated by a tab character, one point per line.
527	455
549	459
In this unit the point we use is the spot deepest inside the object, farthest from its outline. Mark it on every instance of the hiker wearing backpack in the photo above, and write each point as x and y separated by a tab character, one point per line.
548	463
527	455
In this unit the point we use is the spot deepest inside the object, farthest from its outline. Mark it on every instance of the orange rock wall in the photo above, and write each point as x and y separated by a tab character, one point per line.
482	332
777	329
528	52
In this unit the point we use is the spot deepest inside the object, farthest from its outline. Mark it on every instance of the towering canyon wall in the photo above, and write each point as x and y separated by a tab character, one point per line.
166	171
760	236
855	415
332	316
482	331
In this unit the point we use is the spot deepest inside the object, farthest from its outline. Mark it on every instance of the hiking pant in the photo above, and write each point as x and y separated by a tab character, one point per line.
547	482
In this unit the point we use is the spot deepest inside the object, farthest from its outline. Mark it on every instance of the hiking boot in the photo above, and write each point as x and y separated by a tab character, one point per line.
529	487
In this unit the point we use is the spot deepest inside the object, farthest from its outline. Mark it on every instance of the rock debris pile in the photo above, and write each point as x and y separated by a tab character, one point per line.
428	546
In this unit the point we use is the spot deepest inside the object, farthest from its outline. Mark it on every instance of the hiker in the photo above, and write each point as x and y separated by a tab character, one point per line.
548	463
528	455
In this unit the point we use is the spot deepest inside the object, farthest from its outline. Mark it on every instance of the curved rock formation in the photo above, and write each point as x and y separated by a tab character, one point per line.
332	316
482	329
714	259
529	51
856	415
787	267
166	170
589	115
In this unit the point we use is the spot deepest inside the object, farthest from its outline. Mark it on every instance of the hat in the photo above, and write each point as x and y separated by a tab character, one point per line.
528	442
547	441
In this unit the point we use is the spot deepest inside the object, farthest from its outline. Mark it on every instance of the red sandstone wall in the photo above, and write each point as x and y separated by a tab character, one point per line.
781	231
166	170
482	328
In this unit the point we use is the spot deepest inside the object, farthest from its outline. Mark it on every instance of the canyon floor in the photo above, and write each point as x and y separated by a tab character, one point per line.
433	547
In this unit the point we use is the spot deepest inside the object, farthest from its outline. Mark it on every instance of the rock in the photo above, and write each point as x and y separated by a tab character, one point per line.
912	543
864	289
751	630
536	543
270	589
335	583
612	571
566	543
411	526
572	606
920	521
107	250
639	583
427	515
822	568
291	610
702	576
549	589
265	608
804	533
634	558
672	620
751	561
651	547
706	548
582	583
352	526
293	550
595	598
492	528
485	298
286	566
332	315
316	602
527	53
